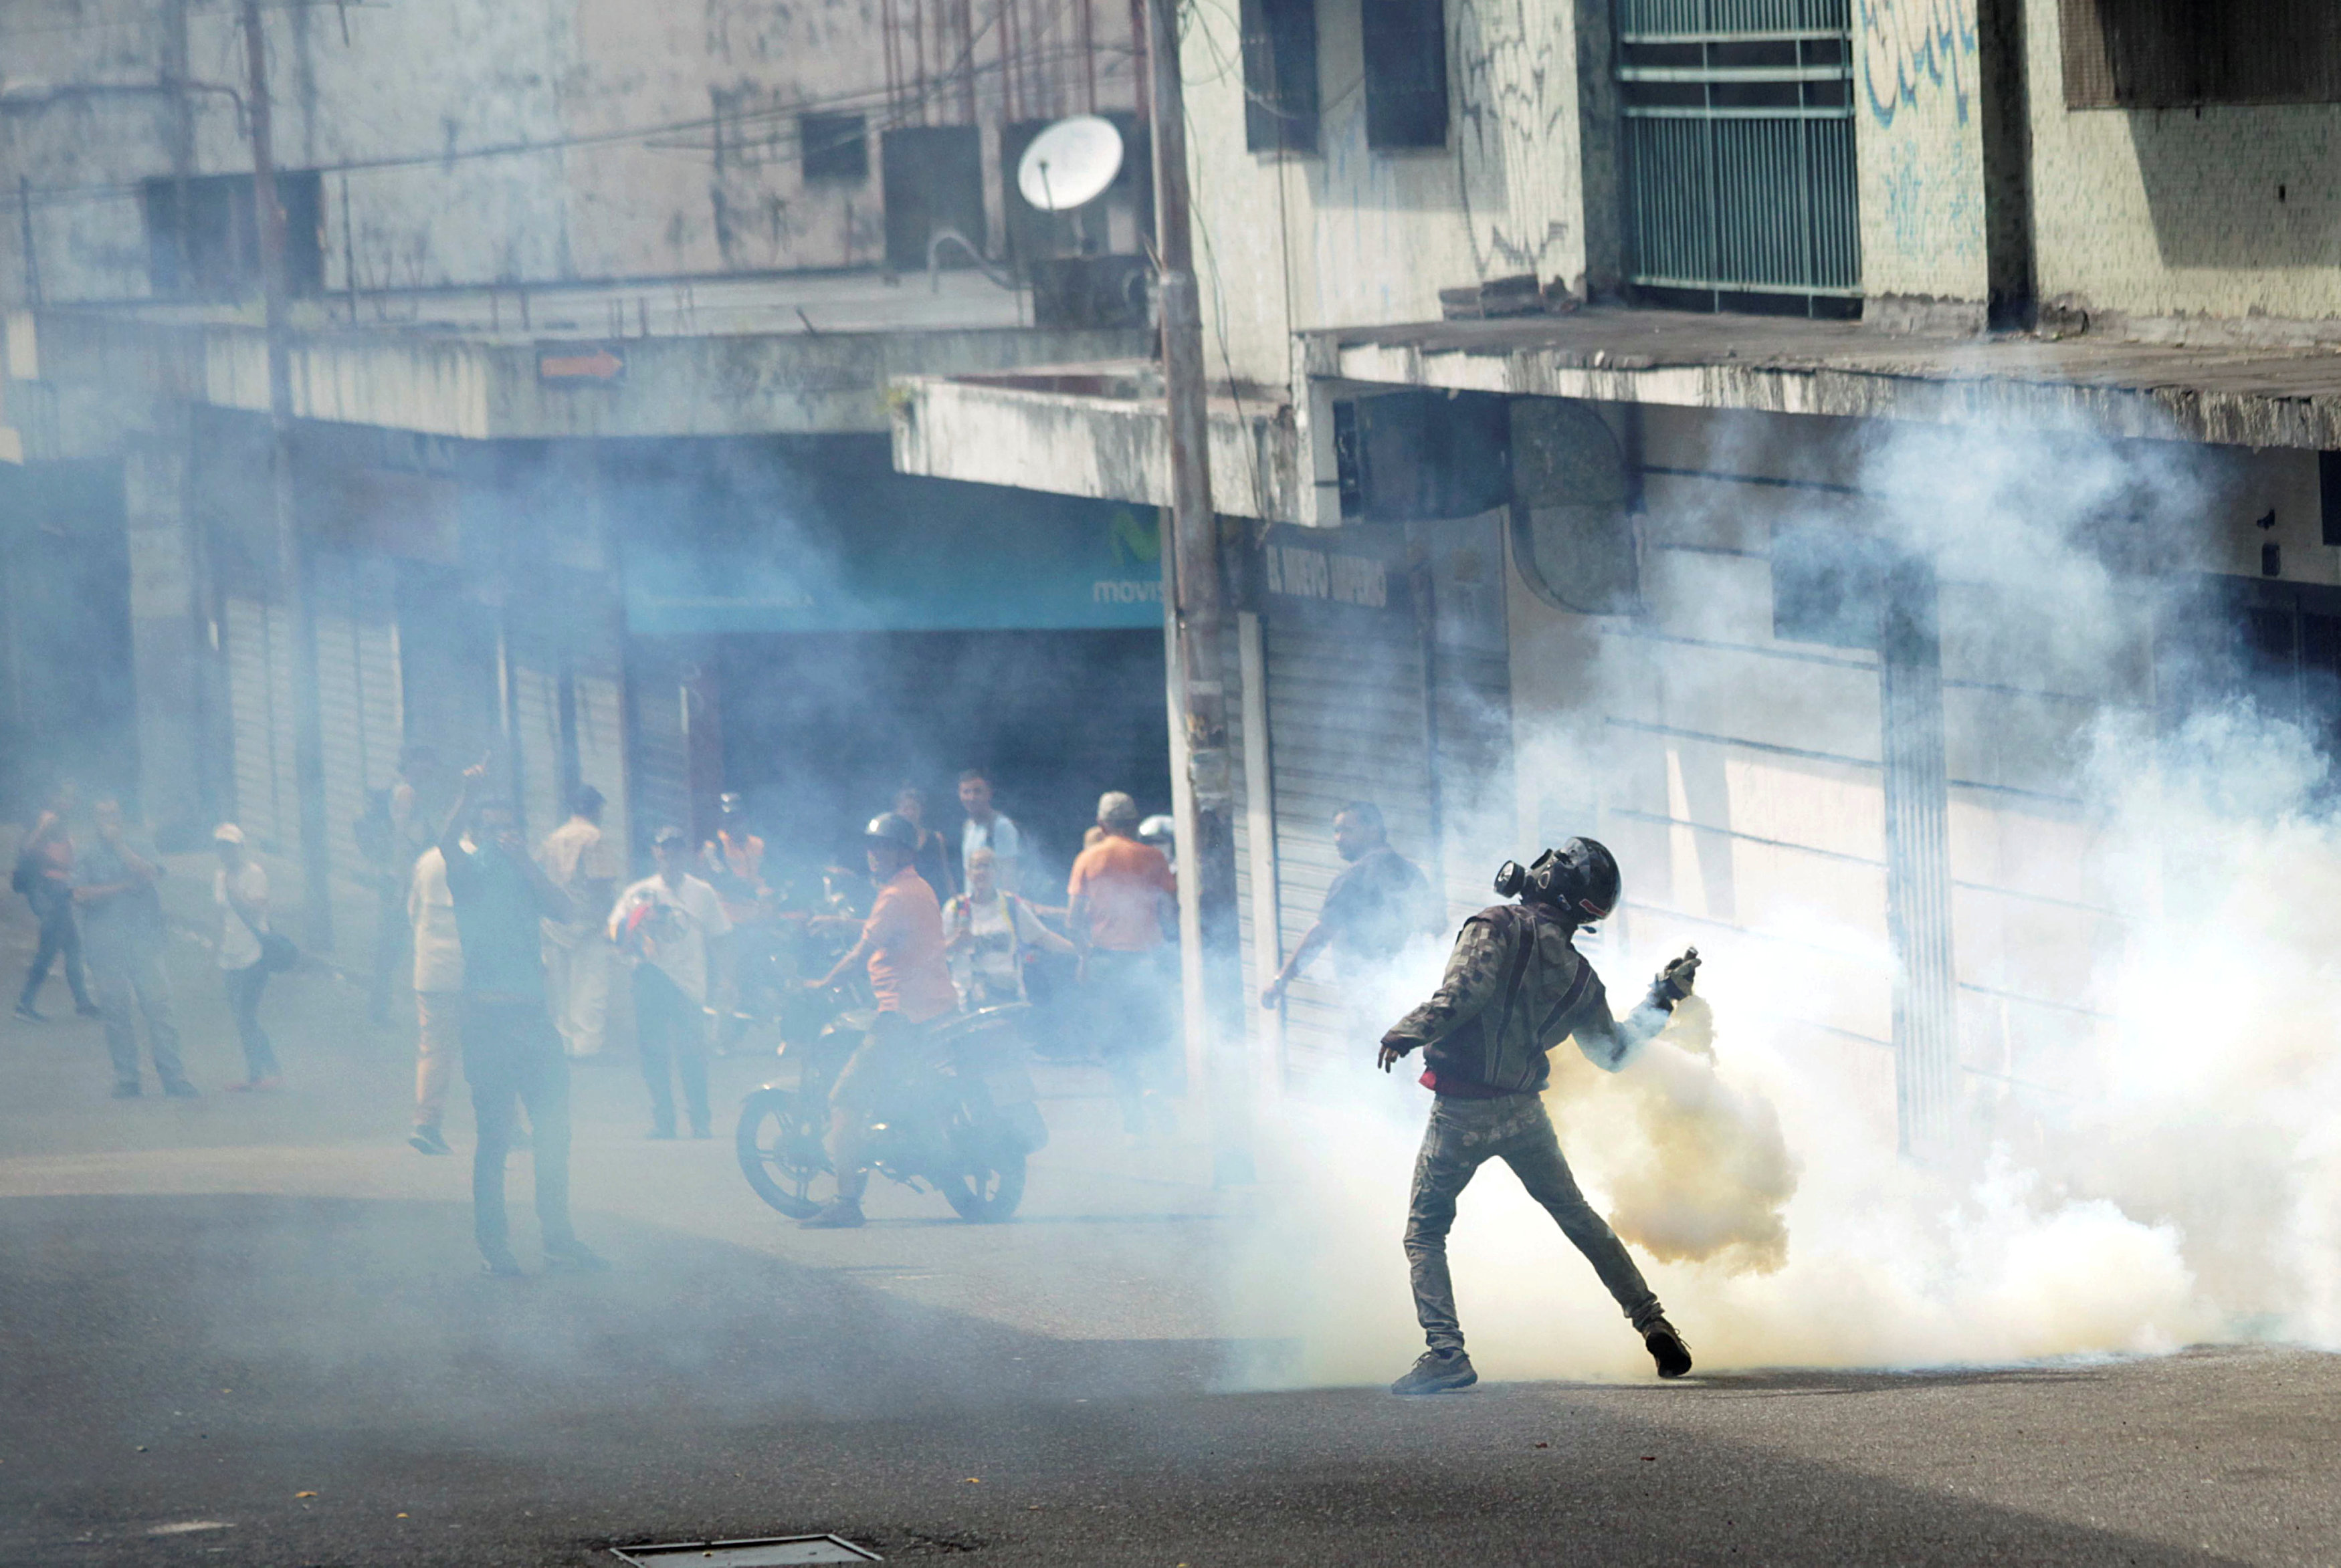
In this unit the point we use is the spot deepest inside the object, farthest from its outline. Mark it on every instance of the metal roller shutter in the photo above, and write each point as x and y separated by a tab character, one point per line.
359	699
258	655
532	666
598	696
1347	721
677	751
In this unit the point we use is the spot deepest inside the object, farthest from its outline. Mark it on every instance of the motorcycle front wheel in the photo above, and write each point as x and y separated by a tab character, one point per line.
780	1148
984	1195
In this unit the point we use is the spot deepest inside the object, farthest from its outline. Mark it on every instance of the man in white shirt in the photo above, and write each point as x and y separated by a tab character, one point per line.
665	925
584	864
438	995
987	828
240	888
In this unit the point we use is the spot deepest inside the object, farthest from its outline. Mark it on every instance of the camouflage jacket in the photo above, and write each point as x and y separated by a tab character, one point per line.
1515	988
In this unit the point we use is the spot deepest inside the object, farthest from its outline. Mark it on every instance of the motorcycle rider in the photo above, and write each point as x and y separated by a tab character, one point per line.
902	943
1515	988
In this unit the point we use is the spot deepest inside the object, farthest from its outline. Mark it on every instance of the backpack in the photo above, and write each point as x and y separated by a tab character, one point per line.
373	831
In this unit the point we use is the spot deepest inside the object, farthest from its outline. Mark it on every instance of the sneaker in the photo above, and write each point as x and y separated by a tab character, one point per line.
88	1010
500	1264
126	1091
1437	1371
703	1131
261	1086
574	1257
838	1214
25	1013
183	1090
426	1140
1667	1348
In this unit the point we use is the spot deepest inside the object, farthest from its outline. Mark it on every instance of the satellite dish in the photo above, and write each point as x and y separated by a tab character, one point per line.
1070	163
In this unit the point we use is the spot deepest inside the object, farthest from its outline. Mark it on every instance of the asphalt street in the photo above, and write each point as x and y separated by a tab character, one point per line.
249	1330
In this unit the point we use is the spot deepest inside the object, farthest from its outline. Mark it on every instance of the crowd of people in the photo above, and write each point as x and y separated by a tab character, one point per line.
511	952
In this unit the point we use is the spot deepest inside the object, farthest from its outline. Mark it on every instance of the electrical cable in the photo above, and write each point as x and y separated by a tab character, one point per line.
865	98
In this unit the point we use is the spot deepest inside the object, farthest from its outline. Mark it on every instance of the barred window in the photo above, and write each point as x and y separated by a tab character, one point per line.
1740	187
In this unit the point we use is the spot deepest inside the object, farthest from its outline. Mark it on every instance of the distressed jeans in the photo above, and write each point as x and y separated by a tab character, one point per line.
1464	1134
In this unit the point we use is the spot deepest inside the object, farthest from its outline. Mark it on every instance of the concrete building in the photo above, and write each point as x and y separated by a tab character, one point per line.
594	307
1581	366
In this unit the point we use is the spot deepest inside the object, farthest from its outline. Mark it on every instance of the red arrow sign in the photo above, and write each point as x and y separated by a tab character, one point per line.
589	361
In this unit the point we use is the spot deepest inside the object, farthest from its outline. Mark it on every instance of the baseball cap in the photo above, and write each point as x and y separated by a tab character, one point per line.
227	833
1113	806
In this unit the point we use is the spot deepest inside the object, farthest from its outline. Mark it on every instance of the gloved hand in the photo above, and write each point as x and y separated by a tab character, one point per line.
1674	982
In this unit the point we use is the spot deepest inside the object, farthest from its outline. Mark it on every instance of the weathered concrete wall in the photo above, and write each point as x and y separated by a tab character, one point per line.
517	140
744	384
1918	143
1352	235
2222	211
1111	449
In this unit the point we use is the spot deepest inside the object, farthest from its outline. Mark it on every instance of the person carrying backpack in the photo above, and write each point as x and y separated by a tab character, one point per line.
1515	988
45	876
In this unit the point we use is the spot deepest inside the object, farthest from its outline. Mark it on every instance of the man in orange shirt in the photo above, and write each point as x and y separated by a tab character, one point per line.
1122	896
902	943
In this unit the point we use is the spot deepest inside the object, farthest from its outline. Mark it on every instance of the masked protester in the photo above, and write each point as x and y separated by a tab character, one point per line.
1515	988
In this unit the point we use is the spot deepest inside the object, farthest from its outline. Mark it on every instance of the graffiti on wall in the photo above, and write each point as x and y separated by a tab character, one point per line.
1509	105
1912	48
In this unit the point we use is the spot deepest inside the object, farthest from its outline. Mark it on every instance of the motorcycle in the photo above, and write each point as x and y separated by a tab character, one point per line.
958	1119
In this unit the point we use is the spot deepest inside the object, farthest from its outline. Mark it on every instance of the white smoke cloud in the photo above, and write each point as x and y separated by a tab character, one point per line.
2166	1172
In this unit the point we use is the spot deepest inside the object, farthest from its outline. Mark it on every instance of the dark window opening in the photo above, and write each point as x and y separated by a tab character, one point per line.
933	179
834	146
1405	71
203	237
1279	74
2176	53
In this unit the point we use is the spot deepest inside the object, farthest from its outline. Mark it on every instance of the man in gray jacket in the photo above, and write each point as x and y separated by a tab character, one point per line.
1515	988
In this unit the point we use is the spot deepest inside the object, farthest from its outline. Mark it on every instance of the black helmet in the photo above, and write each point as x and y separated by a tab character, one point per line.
1579	879
890	827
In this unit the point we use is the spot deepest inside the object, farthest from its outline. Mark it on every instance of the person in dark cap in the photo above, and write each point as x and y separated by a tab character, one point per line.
1515	988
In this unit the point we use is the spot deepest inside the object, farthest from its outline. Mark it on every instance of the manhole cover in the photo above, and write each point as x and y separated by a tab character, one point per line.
777	1551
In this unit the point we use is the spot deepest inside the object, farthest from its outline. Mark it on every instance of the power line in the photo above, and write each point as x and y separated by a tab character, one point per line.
866	98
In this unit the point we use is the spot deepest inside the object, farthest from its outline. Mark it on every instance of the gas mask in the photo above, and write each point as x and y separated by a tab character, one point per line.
1580	880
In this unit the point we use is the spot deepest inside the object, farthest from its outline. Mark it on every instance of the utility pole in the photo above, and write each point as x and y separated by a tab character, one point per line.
1206	846
292	559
